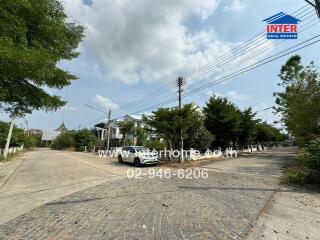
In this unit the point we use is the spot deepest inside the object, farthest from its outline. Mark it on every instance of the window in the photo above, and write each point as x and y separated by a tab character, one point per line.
130	149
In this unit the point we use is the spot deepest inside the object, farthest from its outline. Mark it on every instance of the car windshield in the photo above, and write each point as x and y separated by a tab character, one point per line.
141	149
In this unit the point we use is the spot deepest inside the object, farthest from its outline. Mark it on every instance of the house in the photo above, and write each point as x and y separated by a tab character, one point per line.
33	132
115	133
49	136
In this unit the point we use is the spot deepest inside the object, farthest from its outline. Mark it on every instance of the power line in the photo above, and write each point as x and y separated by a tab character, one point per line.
268	47
224	57
306	26
174	99
232	57
258	64
241	47
94	108
316	5
265	109
240	72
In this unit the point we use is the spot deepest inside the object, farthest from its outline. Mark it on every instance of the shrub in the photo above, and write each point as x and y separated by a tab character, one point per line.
84	138
16	137
312	155
30	141
310	170
156	145
43	144
64	141
115	143
298	175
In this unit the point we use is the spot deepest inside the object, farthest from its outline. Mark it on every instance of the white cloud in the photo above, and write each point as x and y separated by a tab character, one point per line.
133	41
105	102
236	6
233	95
68	108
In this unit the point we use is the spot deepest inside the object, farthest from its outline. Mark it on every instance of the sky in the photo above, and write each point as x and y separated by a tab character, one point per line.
134	50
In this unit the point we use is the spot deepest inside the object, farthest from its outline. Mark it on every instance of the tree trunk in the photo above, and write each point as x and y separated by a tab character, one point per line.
124	139
6	149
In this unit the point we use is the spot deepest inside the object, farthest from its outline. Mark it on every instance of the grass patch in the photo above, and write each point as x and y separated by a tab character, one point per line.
298	175
307	168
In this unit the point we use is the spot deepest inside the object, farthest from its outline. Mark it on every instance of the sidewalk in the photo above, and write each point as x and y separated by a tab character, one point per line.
291	214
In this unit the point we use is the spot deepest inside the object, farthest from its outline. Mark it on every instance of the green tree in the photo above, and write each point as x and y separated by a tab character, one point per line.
34	37
169	122
222	120
198	136
84	138
266	133
247	126
64	141
126	127
17	138
156	145
263	133
141	135
30	141
299	102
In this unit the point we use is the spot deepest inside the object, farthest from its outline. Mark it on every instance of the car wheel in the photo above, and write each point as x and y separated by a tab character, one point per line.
120	160
137	162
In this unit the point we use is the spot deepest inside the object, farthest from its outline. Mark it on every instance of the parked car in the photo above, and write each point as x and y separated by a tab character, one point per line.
137	155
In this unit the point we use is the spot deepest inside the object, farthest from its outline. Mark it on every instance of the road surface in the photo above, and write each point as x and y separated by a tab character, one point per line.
66	195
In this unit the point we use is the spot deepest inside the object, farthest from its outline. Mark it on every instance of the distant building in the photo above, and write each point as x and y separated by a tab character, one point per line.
115	133
62	128
49	136
34	132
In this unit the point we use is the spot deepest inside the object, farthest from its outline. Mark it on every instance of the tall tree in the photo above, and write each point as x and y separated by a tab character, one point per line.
168	122
126	127
299	102
222	120
34	37
141	135
198	136
17	135
247	126
266	133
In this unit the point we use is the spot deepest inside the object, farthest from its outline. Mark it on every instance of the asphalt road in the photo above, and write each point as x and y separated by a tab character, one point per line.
65	195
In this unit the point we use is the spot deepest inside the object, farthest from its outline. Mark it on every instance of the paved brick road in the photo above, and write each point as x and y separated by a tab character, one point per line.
224	206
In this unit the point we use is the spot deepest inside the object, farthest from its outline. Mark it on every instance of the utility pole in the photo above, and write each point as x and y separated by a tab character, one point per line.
316	5
109	129
180	82
27	126
6	149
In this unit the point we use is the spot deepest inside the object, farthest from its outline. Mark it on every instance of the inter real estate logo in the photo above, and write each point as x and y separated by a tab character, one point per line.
282	26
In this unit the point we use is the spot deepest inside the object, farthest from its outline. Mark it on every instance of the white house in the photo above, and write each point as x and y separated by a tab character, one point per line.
115	133
49	136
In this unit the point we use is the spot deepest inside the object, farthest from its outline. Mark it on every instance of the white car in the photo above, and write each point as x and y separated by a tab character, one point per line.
137	155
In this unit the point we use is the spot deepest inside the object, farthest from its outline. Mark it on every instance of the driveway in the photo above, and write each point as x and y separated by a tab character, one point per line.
40	176
80	196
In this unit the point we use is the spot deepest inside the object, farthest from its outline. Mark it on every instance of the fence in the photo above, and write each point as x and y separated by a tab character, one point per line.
11	150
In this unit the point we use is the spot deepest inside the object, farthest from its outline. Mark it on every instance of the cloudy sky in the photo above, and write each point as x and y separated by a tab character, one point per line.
135	49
